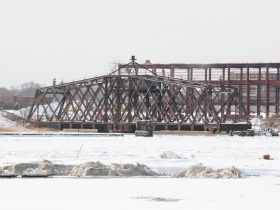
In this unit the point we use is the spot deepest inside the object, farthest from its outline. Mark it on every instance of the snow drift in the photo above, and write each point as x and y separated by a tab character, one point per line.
200	171
48	168
81	170
165	155
6	123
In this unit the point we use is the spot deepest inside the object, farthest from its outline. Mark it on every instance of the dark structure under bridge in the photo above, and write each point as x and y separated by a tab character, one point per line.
116	102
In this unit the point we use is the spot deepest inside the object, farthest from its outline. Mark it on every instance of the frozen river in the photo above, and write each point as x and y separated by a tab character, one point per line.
258	189
212	151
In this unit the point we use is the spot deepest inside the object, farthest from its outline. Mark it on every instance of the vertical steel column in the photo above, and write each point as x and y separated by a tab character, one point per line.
277	93
154	70
240	86
258	99
248	92
129	106
267	92
222	94
159	102
106	101
172	72
205	109
260	74
118	104
228	75
259	93
38	109
205	74
147	100
277	100
210	74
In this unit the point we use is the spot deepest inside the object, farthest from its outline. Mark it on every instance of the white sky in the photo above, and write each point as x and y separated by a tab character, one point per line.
73	39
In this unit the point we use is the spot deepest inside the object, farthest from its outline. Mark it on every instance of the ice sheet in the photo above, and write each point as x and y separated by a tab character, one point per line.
219	151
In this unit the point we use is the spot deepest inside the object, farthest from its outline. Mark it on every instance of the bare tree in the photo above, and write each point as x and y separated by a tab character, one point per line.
5	91
25	89
15	90
5	95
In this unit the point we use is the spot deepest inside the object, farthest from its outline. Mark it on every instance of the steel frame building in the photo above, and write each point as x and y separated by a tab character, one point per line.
258	83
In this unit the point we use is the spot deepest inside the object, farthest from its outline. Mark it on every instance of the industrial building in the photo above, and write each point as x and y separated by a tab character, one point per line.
258	83
10	102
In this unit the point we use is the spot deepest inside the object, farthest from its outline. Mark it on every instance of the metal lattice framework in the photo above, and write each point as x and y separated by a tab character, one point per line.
258	83
116	102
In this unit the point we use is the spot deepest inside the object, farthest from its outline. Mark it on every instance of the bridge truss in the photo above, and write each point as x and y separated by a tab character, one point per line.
116	102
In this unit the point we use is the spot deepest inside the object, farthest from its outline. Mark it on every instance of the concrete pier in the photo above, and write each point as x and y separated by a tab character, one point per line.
144	128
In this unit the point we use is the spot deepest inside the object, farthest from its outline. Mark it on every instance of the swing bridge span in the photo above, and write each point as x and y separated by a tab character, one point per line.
116	101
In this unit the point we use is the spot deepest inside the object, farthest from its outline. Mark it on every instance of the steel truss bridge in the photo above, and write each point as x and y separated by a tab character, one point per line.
115	102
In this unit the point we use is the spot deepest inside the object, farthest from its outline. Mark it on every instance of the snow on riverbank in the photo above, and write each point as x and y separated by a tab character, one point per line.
6	123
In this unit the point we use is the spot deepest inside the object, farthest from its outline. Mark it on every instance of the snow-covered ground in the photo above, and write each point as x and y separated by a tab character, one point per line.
6	123
258	189
21	112
121	194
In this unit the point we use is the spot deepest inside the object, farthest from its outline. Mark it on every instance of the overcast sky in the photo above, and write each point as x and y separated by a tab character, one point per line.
72	39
